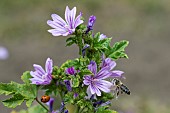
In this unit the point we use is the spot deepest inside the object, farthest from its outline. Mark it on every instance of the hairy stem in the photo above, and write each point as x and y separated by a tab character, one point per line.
41	104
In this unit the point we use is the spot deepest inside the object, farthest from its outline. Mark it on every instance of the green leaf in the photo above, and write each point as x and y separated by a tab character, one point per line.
33	109
104	109
66	64
85	104
25	77
29	102
14	101
37	109
69	98
96	36
69	63
20	92
70	41
105	42
114	111
8	88
120	46
29	91
75	81
100	44
117	55
117	51
85	72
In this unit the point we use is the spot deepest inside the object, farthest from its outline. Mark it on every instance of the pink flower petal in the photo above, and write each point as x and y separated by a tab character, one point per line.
39	69
49	66
58	19
78	20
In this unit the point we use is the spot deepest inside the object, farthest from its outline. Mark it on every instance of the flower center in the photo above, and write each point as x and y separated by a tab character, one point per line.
69	29
44	77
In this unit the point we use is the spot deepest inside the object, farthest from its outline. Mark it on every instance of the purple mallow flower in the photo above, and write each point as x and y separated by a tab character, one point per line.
76	95
108	62
68	85
95	82
41	76
64	28
91	22
70	71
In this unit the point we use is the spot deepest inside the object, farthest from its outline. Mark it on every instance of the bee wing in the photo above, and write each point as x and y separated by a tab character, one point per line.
113	87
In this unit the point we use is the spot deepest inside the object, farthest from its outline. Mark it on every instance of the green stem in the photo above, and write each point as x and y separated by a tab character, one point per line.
82	110
80	50
41	104
77	109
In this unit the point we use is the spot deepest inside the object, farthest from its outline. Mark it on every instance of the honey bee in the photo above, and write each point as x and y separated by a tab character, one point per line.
119	87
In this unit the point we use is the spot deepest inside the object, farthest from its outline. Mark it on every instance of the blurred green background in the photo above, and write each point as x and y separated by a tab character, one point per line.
145	23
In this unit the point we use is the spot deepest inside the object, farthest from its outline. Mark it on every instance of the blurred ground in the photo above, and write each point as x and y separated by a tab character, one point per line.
145	23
